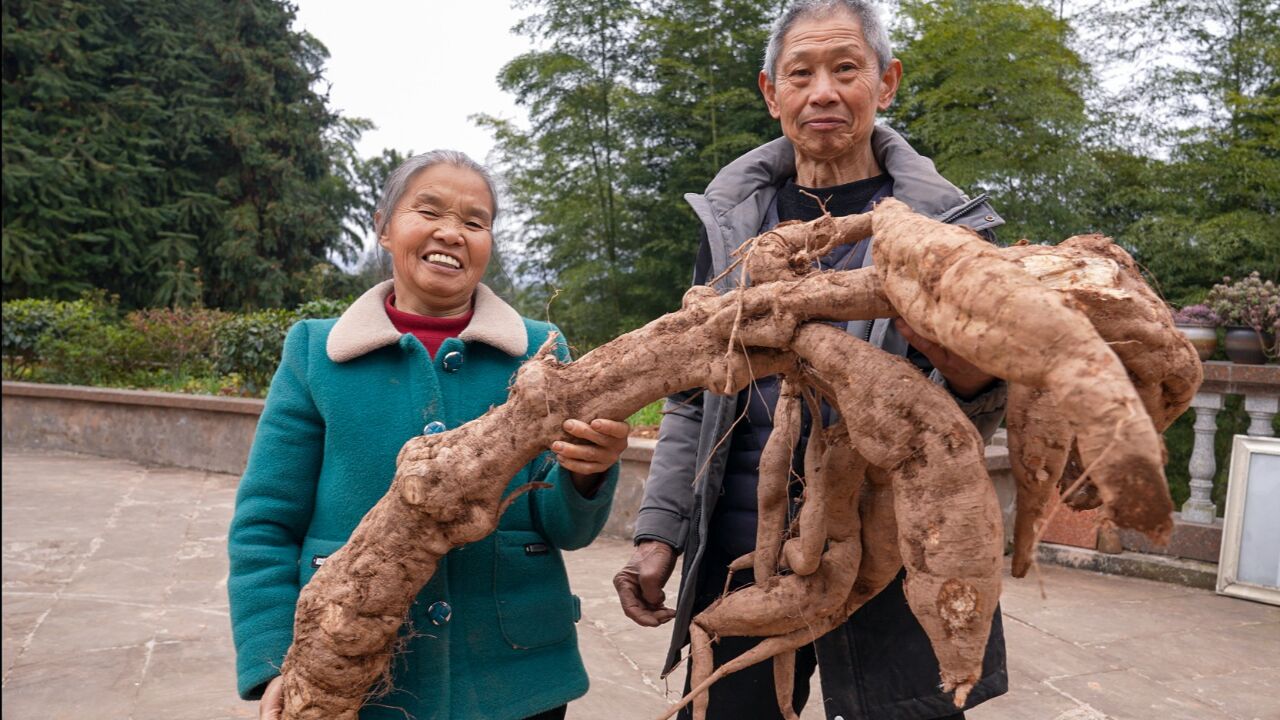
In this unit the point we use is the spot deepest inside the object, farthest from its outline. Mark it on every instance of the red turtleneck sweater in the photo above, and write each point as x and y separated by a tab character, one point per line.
430	331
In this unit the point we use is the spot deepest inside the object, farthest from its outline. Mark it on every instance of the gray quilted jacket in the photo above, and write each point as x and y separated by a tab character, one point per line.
679	502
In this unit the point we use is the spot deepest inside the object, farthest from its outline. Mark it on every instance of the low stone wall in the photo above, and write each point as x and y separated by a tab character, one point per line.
626	500
154	428
215	433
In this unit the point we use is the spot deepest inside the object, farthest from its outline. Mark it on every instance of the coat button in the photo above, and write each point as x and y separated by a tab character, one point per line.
990	218
452	361
433	427
439	613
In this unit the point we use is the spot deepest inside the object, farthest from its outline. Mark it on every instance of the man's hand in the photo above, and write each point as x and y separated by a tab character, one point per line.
963	377
639	583
271	707
604	441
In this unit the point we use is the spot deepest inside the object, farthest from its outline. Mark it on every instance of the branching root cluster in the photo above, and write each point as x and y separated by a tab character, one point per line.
1095	371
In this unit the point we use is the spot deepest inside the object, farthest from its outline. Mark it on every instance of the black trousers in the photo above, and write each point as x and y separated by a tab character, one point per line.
748	694
552	714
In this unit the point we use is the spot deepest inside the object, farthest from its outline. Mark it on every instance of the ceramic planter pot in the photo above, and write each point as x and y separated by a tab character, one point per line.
1243	345
1204	339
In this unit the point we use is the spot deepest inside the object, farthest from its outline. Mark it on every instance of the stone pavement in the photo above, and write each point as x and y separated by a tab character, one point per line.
114	607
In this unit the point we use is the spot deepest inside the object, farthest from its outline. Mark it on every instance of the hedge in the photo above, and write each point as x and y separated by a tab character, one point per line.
90	342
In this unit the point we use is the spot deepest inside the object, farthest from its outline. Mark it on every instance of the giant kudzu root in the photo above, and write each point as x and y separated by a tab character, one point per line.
1039	445
1102	280
448	490
775	476
803	551
959	291
935	458
823	602
926	501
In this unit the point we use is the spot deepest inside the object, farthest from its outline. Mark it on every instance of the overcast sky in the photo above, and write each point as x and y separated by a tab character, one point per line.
416	68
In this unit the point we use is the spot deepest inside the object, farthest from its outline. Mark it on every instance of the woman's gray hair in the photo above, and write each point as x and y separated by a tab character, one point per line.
872	29
398	181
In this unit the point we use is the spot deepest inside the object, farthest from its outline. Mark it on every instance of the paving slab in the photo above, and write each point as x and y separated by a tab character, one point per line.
1126	695
99	683
114	606
1251	692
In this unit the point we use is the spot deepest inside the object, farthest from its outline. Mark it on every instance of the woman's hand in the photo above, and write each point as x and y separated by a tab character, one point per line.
602	443
271	707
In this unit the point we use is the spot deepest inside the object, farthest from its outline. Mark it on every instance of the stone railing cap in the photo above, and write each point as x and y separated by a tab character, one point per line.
1234	379
1220	371
245	406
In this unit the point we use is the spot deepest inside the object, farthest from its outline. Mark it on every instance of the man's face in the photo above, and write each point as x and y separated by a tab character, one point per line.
827	87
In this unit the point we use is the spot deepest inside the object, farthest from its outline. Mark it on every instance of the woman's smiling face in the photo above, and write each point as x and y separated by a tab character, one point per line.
440	236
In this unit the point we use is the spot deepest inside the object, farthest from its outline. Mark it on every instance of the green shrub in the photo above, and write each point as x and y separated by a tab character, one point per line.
181	340
25	321
250	345
322	308
30	321
94	351
648	416
326	281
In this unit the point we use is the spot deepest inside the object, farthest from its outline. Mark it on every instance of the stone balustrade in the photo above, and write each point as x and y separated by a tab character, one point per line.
1260	386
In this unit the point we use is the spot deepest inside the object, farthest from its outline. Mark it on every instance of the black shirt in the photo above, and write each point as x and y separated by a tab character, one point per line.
796	202
732	530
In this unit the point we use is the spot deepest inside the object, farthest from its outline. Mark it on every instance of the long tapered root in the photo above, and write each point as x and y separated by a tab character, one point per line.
784	683
775	476
765	649
1039	445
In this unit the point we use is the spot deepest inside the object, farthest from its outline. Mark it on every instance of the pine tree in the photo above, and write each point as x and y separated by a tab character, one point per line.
170	152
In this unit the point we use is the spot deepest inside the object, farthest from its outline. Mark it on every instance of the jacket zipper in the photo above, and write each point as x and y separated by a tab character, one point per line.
951	216
697	523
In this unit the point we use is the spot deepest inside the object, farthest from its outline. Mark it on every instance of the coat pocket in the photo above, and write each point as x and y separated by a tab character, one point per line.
314	554
535	608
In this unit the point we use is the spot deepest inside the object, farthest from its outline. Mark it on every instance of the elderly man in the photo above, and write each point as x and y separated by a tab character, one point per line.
827	70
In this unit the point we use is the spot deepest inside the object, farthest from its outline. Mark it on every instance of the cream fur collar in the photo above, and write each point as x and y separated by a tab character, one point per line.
365	327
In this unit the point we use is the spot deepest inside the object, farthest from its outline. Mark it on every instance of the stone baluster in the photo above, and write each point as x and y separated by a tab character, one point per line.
1261	409
1199	507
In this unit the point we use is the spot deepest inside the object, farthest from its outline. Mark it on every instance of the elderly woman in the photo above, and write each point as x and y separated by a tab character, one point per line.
828	69
492	634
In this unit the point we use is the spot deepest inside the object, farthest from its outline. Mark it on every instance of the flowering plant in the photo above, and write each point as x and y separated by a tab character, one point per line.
1197	316
1252	303
1249	302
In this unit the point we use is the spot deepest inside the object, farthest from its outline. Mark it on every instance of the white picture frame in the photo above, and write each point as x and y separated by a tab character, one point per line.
1249	562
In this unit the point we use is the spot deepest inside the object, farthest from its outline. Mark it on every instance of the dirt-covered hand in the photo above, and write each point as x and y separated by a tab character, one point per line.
639	583
963	377
602	443
271	707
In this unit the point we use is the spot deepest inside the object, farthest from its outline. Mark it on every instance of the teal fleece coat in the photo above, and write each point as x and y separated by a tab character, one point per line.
346	397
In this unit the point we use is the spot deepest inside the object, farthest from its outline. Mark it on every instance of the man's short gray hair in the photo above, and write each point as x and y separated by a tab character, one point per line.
398	181
872	29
